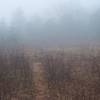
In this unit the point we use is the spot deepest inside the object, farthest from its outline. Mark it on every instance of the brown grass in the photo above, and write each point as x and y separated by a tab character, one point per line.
50	74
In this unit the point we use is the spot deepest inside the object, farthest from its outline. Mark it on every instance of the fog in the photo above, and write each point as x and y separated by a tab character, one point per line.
43	7
49	23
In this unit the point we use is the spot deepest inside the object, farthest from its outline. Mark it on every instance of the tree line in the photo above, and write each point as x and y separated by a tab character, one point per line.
69	26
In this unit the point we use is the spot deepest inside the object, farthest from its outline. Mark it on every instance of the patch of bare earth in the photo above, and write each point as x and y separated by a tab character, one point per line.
40	82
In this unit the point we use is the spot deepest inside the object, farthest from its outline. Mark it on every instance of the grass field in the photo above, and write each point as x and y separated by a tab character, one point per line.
50	74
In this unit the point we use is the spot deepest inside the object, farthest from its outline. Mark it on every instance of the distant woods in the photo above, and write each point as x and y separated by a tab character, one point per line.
68	27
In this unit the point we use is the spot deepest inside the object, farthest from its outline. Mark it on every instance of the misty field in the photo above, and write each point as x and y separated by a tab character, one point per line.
52	74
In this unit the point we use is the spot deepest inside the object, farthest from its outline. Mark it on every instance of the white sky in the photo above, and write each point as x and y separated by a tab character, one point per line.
7	7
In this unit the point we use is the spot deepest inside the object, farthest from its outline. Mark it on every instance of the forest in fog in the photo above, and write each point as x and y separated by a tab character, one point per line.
50	56
49	74
69	26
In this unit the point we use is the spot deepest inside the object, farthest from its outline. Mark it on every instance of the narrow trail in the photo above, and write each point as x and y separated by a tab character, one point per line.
40	82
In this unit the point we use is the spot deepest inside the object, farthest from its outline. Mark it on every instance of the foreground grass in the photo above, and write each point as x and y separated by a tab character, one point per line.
54	74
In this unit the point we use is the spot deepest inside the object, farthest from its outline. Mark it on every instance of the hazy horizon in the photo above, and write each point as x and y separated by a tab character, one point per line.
49	22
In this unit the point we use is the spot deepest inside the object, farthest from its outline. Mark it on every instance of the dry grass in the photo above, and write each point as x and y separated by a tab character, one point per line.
66	74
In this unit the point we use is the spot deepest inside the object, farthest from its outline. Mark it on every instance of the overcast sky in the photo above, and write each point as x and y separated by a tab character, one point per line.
41	7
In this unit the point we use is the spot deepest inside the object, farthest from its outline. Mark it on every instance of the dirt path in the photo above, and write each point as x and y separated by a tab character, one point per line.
40	82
